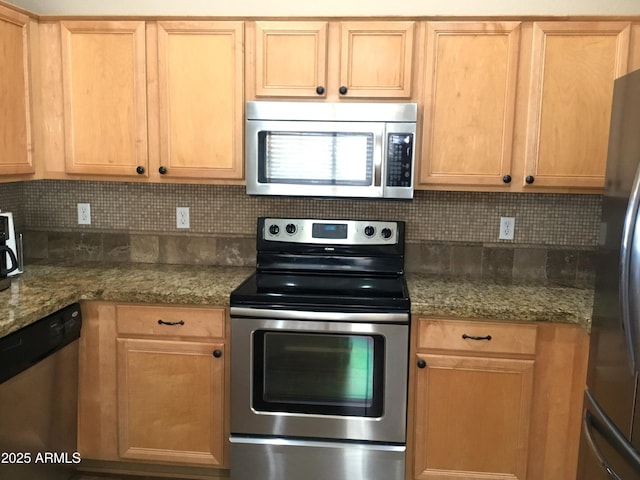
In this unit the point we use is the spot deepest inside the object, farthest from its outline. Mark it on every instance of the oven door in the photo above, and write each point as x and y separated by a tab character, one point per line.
319	378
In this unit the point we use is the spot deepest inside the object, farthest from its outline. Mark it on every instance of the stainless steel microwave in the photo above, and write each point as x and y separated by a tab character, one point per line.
330	149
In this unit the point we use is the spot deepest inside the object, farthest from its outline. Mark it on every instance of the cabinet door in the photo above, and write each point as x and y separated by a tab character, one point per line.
469	102
170	401
376	59
15	119
574	65
290	59
200	75
104	90
472	417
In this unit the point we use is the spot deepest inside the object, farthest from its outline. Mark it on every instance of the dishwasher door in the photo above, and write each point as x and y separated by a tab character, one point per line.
38	405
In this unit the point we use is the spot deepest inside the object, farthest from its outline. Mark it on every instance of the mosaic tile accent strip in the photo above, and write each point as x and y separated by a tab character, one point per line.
223	210
11	200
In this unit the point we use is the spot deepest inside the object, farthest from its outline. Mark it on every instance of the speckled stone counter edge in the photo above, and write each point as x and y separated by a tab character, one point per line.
43	289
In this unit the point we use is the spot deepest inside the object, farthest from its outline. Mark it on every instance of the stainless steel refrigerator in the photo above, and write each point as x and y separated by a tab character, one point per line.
610	441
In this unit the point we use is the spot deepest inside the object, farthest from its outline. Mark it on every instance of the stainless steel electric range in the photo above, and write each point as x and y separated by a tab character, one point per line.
319	353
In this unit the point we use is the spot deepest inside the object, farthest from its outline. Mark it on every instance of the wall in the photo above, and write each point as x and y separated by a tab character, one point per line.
447	232
331	7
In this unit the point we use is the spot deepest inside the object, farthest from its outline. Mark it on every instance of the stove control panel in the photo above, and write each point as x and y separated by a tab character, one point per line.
343	232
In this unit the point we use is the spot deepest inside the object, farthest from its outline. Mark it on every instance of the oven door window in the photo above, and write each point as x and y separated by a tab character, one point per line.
318	373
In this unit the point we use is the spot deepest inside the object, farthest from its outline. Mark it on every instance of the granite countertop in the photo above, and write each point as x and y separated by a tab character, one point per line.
43	289
465	298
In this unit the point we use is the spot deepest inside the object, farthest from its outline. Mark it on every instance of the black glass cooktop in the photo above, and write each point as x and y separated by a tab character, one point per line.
322	292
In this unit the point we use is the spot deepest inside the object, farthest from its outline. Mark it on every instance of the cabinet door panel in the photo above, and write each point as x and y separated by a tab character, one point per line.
200	73
376	59
290	58
573	68
104	89
15	126
170	401
470	91
472	417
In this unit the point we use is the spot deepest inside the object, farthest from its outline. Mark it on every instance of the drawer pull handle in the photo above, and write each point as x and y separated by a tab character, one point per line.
217	353
162	322
422	364
473	337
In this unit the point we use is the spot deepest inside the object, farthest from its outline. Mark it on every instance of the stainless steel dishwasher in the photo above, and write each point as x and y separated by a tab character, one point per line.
39	398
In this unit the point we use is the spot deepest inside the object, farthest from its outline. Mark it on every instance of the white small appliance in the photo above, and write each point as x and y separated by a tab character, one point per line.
13	242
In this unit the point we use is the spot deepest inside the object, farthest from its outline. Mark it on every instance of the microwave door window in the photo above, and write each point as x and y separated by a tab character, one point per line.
316	158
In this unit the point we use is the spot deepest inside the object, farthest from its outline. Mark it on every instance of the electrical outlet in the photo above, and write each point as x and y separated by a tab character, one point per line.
84	214
182	217
507	227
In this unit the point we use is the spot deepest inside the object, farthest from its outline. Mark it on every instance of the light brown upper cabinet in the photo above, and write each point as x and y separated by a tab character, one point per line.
15	115
470	73
150	101
574	65
289	58
104	97
200	99
330	60
519	106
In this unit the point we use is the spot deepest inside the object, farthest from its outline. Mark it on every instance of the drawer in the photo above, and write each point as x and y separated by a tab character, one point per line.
477	336
170	321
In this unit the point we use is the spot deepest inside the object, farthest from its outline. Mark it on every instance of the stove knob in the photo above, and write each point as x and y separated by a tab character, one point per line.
386	233
369	231
290	228
274	229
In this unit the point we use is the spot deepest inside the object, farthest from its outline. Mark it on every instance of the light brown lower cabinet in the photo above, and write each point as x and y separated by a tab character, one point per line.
153	384
495	400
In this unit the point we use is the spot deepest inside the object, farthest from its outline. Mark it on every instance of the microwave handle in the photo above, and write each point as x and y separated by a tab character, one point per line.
378	155
377	173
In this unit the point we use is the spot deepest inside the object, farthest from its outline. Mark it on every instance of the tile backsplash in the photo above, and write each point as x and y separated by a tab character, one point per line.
447	232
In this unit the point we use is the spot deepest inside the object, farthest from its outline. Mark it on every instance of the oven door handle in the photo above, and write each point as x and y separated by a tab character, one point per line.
270	440
323	316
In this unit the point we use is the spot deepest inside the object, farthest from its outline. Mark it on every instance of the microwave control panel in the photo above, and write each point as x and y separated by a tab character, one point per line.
399	159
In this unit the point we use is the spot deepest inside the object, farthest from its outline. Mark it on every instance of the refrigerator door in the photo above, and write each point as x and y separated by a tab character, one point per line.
605	451
614	355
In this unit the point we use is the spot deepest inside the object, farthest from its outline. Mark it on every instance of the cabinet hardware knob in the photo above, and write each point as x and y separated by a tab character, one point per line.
162	170
162	322
217	353
530	179
422	364
473	337
140	170
343	90
320	90
506	179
